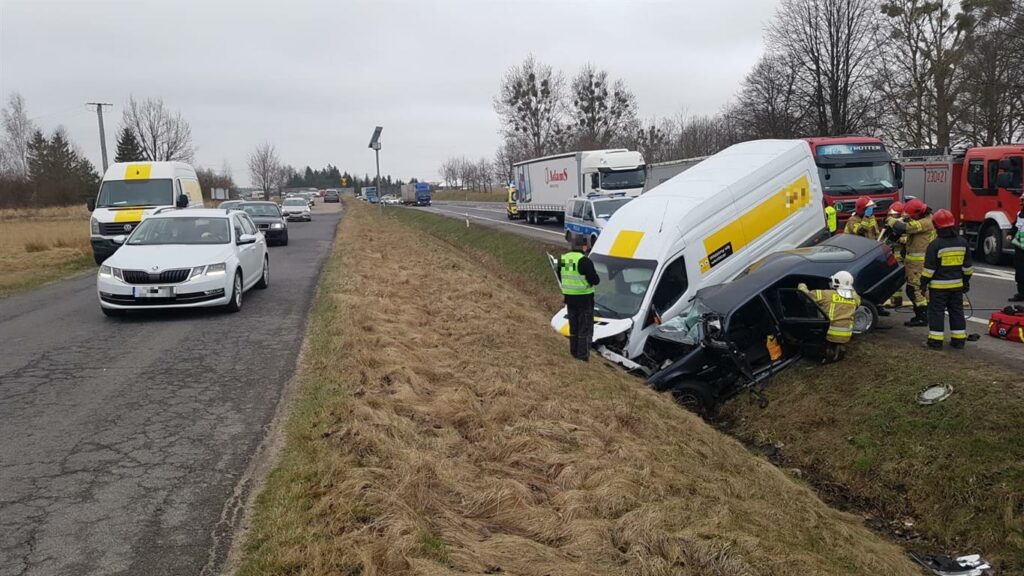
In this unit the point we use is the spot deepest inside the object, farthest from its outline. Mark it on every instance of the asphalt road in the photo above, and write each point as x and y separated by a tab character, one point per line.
990	288
123	441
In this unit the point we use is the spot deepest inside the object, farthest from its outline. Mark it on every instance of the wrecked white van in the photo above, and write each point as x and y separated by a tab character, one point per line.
702	227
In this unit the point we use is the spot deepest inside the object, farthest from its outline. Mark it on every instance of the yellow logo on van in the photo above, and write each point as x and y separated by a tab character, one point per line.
626	242
137	171
735	235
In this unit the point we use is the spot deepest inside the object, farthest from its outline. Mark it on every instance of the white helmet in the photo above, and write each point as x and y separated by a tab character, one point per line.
842	282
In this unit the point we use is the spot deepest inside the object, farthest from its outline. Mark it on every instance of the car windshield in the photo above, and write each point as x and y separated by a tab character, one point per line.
623	285
623	179
114	193
686	328
181	230
856	179
605	208
294	202
261	209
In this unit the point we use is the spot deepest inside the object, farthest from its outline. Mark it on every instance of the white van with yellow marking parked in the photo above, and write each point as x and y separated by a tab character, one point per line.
702	227
130	191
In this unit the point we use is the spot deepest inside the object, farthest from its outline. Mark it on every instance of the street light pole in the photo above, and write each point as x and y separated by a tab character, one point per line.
375	144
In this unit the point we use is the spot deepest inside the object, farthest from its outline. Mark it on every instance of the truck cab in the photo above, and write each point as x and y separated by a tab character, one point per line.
129	192
853	166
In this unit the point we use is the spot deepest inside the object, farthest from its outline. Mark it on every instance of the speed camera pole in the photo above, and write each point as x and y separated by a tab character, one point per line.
375	144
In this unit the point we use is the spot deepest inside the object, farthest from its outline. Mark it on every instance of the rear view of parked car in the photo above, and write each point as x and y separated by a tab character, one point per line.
268	218
332	196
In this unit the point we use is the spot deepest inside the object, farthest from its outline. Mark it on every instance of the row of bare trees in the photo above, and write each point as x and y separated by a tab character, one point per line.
477	175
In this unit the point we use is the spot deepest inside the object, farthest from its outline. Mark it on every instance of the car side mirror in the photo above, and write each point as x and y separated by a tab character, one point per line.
90	204
897	171
182	201
246	239
119	239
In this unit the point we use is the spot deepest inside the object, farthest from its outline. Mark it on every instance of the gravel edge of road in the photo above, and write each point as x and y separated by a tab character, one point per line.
227	549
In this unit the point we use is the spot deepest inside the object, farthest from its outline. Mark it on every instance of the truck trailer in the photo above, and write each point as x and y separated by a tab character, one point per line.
417	193
661	172
853	166
543	186
980	186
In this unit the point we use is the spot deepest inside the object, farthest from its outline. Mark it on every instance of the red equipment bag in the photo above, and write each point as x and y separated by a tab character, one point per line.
1008	324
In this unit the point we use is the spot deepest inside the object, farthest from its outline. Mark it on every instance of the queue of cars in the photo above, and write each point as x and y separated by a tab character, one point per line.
158	247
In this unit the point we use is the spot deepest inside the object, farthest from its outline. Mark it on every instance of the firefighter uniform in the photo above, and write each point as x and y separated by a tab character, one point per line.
865	226
946	276
919	234
840	311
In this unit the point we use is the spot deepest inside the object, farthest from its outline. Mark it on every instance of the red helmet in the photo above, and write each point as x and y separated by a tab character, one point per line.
943	219
896	208
862	204
915	208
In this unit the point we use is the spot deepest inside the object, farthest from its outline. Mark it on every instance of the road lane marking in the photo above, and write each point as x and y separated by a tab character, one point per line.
466	215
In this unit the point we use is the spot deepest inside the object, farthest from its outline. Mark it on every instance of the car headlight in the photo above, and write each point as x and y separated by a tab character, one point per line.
277	225
105	271
94	226
196	272
216	269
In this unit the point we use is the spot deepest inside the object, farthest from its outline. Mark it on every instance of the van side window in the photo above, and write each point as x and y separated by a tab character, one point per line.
577	209
1017	171
588	212
976	174
671	286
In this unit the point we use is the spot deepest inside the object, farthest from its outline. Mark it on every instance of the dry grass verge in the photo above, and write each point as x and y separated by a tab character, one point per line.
441	429
495	195
38	245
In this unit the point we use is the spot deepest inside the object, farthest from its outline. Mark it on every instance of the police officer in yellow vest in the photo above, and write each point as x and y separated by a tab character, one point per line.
839	304
831	218
577	277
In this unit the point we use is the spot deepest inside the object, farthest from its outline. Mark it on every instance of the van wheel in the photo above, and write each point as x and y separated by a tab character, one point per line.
990	245
865	318
235	304
695	397
265	278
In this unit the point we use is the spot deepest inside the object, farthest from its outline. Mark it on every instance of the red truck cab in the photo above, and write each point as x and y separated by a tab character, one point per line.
980	186
855	166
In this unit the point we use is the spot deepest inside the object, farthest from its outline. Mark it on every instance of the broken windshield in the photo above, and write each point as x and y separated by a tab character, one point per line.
624	284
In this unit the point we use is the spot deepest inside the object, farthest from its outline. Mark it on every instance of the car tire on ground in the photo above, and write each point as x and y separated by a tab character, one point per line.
284	240
265	278
695	397
568	236
865	318
235	303
112	312
990	244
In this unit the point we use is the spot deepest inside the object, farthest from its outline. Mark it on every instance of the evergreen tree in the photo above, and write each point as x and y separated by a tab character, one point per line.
128	148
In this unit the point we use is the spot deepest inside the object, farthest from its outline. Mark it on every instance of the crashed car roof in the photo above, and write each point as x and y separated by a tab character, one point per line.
817	261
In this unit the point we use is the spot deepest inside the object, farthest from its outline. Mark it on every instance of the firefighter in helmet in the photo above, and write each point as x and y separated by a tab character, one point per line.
896	242
946	277
918	228
862	222
840	303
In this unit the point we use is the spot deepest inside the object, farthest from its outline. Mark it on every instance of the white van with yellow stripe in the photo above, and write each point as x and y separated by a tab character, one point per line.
700	228
132	190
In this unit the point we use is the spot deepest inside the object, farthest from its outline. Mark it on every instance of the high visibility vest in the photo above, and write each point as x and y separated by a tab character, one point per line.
573	283
831	219
840	312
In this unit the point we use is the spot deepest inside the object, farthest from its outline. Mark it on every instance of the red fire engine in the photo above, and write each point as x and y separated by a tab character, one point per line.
980	186
855	166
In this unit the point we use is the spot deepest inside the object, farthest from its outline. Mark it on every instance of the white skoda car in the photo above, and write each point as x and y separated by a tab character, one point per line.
185	258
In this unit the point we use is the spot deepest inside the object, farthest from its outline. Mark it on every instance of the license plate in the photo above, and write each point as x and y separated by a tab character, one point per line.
153	291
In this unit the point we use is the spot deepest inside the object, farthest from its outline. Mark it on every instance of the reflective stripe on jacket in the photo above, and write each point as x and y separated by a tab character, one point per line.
947	264
839	310
865	226
920	234
573	282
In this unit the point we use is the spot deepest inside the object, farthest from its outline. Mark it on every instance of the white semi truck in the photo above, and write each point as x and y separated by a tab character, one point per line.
544	185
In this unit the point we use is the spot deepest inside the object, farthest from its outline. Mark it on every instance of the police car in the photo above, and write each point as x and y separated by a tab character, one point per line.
587	216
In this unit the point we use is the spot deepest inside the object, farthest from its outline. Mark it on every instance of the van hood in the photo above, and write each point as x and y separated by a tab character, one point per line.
603	327
169	256
128	214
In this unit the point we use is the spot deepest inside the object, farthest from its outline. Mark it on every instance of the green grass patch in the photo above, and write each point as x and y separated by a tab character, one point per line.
496	195
51	269
956	469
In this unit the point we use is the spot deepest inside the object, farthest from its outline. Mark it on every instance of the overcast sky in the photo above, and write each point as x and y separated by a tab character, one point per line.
314	78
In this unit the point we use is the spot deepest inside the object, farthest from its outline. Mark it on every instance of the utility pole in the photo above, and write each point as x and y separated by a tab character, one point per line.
103	137
375	145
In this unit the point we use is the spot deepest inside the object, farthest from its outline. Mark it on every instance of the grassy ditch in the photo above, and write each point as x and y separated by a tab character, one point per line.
439	428
952	472
494	195
41	245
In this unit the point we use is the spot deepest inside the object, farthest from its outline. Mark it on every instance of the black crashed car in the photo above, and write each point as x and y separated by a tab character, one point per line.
721	346
268	218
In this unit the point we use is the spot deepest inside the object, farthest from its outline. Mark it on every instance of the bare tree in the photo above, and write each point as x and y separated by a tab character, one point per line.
531	104
602	111
265	168
831	44
993	89
769	103
654	139
18	130
162	134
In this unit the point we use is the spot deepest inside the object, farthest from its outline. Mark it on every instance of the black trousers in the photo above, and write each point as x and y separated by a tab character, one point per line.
939	303
581	326
1018	267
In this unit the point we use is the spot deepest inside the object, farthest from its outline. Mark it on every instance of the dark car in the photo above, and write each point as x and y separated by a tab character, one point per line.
331	196
721	346
268	218
231	204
